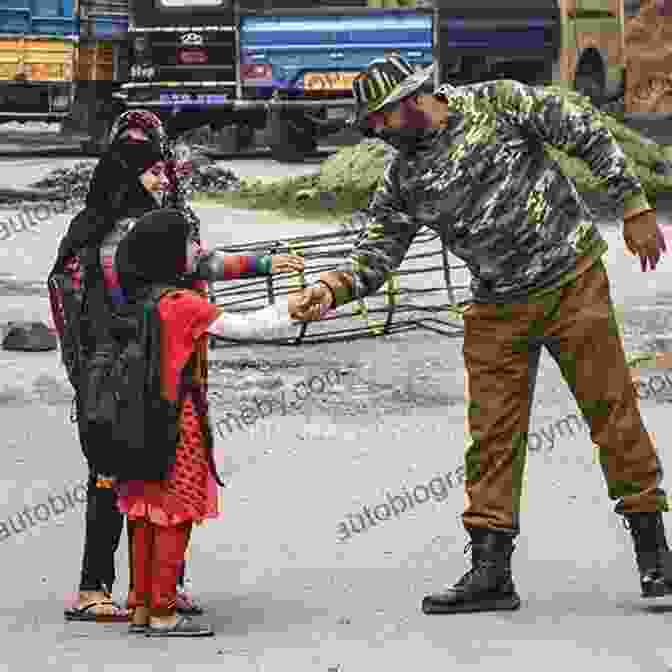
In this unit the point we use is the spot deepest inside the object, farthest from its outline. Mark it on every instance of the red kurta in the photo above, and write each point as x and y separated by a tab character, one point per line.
190	493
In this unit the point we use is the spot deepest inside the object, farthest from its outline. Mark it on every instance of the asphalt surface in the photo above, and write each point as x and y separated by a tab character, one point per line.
283	586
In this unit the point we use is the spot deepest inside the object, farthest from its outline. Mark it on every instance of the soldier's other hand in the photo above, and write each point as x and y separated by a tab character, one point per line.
644	238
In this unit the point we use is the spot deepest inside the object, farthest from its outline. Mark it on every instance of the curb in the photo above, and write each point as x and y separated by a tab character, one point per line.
27	193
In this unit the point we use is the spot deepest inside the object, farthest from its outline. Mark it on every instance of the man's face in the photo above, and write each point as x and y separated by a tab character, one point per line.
406	115
388	118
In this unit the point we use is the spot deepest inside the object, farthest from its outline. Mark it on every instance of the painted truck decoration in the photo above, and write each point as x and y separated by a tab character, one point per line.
38	42
60	60
284	65
288	65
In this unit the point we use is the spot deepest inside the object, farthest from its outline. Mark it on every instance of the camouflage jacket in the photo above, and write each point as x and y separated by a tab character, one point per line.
502	204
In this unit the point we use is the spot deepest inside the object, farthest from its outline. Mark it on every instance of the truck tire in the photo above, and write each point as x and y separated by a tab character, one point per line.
244	136
290	136
99	129
590	86
234	139
98	142
590	78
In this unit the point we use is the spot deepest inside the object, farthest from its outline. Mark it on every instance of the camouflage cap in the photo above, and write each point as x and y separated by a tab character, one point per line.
386	81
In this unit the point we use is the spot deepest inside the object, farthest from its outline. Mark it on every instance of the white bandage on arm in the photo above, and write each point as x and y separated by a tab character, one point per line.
270	322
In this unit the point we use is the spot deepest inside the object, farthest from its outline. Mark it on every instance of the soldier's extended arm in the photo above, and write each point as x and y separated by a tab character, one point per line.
555	120
389	234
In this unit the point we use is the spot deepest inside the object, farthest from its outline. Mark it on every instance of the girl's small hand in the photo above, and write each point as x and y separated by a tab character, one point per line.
184	168
286	263
294	300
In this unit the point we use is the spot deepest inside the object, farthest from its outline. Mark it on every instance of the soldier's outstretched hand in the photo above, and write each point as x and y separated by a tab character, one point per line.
309	304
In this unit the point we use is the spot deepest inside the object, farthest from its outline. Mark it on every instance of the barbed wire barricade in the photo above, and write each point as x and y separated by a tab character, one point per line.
421	294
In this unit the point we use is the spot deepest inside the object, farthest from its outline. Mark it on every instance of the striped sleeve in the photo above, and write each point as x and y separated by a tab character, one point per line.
114	289
216	266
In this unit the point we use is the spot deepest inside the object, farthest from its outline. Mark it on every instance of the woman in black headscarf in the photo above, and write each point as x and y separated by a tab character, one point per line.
125	185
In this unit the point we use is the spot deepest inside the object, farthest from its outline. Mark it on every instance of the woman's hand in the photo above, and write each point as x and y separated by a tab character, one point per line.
281	263
184	168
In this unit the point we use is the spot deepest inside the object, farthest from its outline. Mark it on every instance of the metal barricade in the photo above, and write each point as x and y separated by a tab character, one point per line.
397	307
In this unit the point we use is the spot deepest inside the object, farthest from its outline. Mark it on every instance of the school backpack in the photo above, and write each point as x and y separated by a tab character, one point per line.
123	393
113	372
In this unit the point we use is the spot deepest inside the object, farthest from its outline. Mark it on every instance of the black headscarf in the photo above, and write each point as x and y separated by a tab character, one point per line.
115	192
115	183
154	253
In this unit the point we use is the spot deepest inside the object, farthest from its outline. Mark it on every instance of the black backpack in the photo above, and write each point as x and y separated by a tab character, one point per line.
123	393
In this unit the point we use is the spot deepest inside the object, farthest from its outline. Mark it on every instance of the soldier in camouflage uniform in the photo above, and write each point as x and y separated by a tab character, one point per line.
471	164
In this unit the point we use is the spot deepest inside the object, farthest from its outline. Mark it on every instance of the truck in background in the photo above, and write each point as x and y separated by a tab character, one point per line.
184	63
101	67
296	56
303	56
300	61
288	65
38	43
285	66
63	61
592	54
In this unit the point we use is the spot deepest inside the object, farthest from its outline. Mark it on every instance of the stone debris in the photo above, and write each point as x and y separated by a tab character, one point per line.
205	176
29	337
73	183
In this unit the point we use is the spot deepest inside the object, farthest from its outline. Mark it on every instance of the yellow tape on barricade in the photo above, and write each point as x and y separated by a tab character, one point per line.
297	279
523	494
391	291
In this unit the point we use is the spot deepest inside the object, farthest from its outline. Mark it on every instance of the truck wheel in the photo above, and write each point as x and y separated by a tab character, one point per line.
590	80
245	136
234	139
588	86
291	136
98	142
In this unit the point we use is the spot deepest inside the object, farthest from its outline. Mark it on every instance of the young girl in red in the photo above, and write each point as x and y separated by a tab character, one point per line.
160	252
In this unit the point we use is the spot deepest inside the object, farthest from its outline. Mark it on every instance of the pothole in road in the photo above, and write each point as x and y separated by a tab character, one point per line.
351	395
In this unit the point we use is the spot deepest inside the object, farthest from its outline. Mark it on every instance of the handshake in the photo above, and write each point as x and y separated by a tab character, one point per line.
311	303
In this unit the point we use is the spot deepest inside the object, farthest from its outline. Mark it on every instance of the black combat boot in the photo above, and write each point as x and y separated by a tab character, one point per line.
488	585
651	552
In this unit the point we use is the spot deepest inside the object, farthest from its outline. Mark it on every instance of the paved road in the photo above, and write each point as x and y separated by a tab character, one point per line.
282	591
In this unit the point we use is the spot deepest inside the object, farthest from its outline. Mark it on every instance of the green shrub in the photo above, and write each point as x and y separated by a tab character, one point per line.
352	174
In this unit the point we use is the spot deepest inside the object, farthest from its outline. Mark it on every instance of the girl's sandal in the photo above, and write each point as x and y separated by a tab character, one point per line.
185	627
87	614
186	605
137	629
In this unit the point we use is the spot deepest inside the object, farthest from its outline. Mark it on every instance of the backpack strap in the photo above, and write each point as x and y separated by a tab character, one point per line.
67	302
